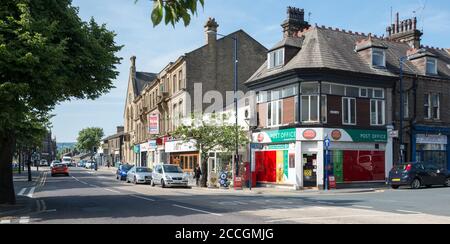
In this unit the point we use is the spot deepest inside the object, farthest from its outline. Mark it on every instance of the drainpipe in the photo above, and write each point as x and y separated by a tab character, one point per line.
413	122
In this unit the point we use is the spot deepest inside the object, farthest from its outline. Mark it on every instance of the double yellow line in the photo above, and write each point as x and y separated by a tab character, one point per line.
42	180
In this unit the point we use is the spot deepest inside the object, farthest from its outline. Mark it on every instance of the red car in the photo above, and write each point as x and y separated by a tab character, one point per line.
60	169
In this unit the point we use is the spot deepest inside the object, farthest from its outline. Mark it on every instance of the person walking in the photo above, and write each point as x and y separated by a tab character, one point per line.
197	175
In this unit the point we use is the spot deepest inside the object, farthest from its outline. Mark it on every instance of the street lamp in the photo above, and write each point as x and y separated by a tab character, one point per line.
236	61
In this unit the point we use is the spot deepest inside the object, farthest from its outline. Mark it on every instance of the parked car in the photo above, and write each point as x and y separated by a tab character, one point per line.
43	162
417	175
54	162
82	163
168	175
121	173
59	169
139	175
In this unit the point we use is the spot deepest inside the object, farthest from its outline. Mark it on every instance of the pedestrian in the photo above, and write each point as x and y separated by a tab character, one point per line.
108	164
197	174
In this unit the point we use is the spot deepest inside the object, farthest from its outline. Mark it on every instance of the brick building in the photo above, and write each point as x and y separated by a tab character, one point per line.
322	84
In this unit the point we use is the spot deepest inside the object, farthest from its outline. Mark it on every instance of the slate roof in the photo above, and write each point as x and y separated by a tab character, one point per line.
142	79
324	48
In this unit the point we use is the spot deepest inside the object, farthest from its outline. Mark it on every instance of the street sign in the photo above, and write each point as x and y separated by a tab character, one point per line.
393	134
327	143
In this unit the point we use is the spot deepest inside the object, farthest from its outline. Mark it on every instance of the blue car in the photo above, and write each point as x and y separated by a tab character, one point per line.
121	173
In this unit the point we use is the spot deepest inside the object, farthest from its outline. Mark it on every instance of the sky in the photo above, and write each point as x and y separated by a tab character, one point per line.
156	47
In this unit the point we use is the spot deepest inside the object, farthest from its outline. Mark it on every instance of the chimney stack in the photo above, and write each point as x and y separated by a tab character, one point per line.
295	22
405	31
211	31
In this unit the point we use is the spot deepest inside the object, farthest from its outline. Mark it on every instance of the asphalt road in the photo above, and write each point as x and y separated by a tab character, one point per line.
97	197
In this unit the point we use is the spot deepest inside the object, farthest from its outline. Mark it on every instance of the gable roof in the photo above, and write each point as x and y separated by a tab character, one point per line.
142	79
325	48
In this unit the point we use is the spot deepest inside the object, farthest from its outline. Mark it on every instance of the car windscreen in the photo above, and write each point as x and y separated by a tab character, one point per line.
172	169
126	167
143	170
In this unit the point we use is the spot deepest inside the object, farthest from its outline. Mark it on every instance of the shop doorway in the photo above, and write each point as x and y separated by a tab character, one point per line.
310	170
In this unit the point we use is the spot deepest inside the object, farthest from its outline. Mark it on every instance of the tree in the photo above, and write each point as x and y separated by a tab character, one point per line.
173	11
210	135
89	138
47	55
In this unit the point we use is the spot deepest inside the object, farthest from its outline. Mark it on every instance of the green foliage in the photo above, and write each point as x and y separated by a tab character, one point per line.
48	55
89	138
173	11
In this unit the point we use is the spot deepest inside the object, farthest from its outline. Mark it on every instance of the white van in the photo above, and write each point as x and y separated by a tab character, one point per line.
168	175
67	161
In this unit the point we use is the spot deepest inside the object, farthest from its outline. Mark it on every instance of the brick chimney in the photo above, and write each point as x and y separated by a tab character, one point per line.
120	129
405	31
295	22
211	31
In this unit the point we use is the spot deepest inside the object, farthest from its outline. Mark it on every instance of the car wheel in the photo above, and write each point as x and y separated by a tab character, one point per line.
163	184
67	175
135	181
395	187
415	184
447	182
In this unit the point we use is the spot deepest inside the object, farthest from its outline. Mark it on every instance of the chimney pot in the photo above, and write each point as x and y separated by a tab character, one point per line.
295	22
211	30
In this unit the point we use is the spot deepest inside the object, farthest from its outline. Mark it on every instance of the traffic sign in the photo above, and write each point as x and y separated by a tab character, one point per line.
327	143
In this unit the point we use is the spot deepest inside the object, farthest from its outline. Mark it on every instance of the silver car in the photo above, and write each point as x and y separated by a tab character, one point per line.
139	175
168	175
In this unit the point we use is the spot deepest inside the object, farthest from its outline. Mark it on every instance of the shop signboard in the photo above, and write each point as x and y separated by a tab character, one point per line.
180	146
431	139
153	124
356	135
275	136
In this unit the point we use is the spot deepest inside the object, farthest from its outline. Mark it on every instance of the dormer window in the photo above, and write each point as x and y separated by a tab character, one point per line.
378	58
431	66
276	58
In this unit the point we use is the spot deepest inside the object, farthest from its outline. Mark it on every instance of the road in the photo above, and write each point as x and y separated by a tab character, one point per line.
89	197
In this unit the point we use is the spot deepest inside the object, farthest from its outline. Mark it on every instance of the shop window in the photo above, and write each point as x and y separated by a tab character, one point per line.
351	91
309	88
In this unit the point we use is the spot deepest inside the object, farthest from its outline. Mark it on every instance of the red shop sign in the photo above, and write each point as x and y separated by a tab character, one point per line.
309	134
336	135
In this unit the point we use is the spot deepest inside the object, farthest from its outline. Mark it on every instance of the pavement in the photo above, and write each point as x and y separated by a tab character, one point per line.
96	197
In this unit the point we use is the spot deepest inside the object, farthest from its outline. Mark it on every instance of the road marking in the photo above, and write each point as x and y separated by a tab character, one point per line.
30	194
22	192
143	198
362	206
331	217
197	210
5	221
410	212
50	211
94	186
106	189
24	220
242	203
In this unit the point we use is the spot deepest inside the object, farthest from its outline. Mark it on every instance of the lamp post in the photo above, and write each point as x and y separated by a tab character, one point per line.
236	81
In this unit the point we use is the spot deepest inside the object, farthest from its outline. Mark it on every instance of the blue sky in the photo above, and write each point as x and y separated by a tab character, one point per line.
155	47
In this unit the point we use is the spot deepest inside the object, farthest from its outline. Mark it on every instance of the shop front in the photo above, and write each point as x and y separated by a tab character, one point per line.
274	160
432	146
183	154
299	157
